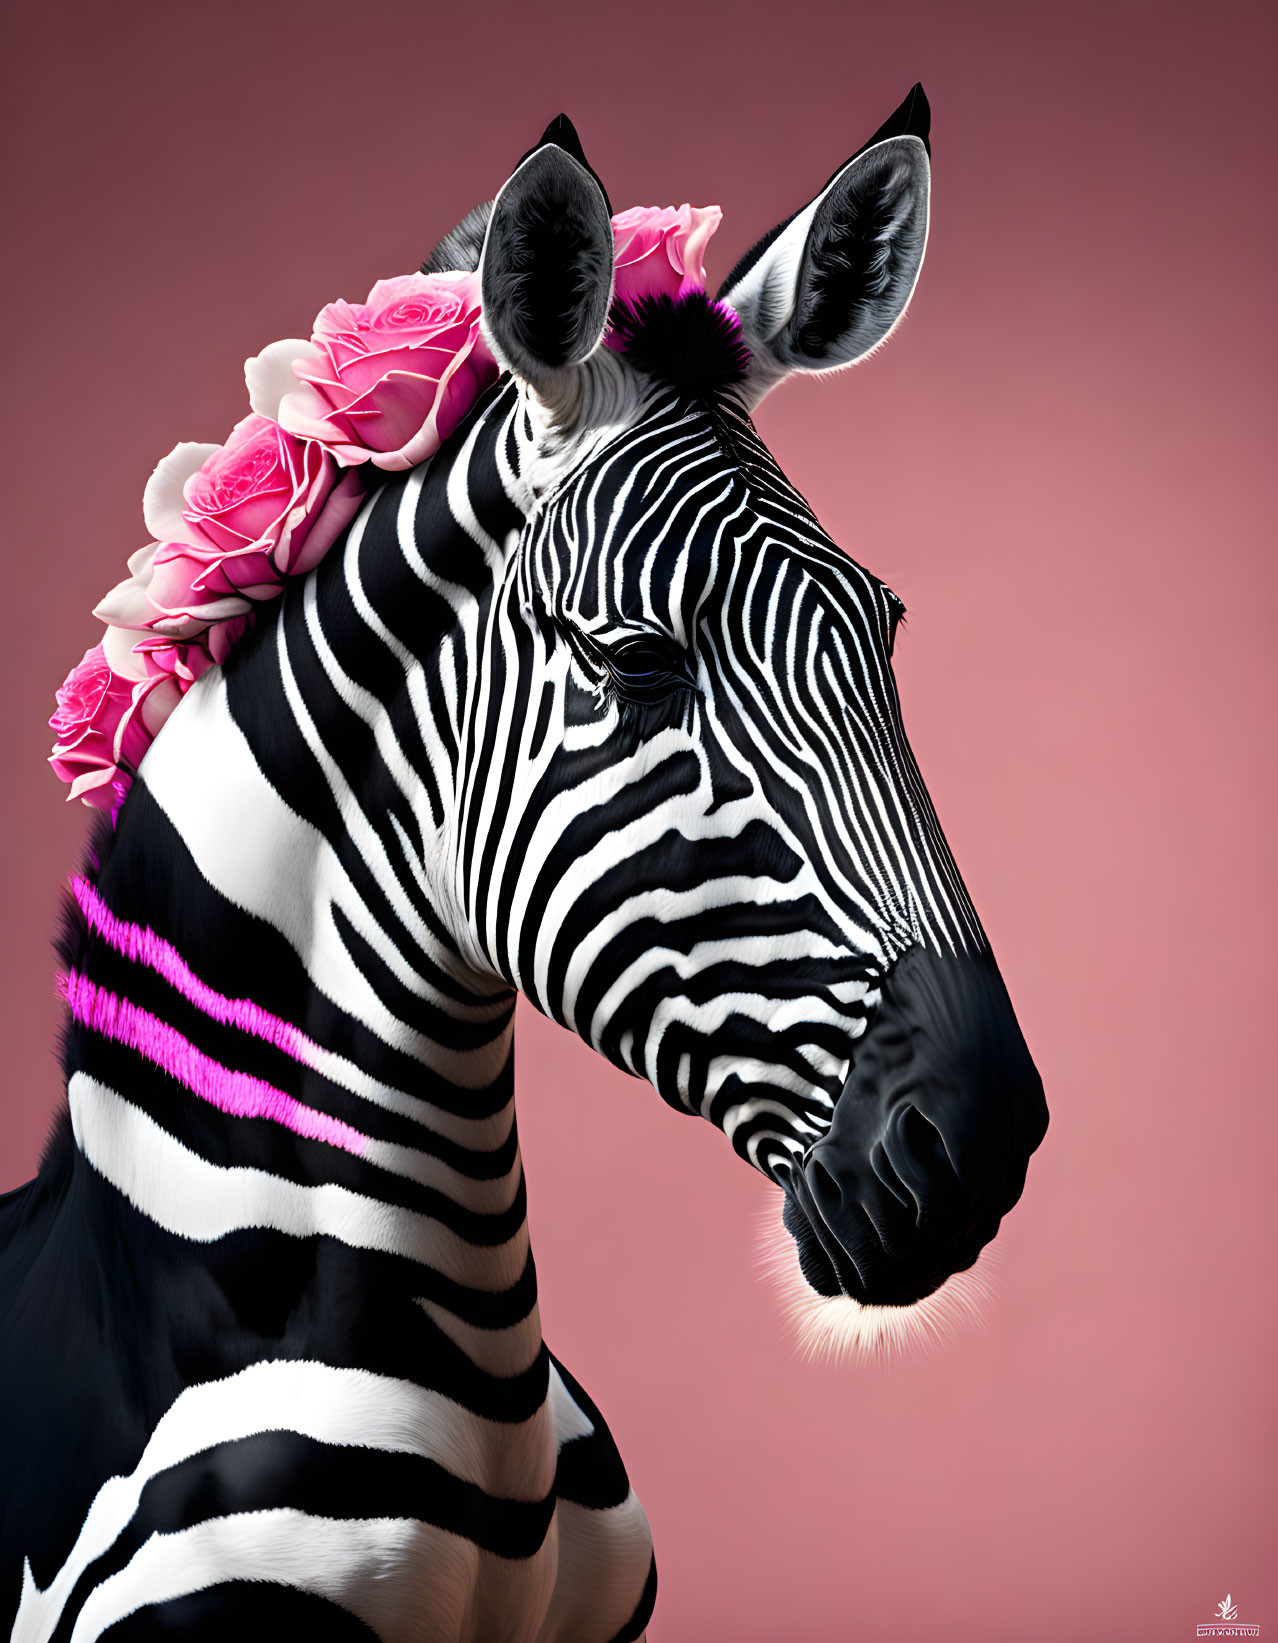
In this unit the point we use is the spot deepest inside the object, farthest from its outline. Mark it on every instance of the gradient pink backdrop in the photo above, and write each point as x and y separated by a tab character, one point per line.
1063	462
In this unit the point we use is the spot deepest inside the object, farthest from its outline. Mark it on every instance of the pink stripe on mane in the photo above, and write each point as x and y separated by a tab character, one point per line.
239	1094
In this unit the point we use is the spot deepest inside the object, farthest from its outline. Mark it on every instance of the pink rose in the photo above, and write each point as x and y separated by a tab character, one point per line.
660	249
186	660
232	521
105	721
264	493
384	381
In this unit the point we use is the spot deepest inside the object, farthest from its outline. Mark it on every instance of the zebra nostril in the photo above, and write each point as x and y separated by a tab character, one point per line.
915	1150
923	1141
825	1189
882	1166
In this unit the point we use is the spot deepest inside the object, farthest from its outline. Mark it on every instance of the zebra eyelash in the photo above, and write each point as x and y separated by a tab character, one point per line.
645	669
896	615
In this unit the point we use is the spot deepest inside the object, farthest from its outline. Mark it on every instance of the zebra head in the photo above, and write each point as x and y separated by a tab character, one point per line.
688	823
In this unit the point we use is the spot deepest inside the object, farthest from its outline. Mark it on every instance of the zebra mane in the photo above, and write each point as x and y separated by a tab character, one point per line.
690	342
460	248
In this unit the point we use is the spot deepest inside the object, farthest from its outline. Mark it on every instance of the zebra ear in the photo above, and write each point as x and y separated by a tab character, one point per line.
546	269
829	286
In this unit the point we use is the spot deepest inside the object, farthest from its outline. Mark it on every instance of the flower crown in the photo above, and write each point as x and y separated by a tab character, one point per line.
380	384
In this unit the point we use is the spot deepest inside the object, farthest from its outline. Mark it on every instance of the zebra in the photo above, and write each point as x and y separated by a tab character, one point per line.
588	706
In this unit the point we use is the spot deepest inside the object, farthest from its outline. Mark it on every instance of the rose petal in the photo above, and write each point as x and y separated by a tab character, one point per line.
344	502
306	413
705	220
269	375
126	606
179	627
155	701
140	563
91	783
223	635
117	647
194	618
162	498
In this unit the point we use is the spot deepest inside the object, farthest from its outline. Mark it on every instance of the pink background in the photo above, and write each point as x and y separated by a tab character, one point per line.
1063	462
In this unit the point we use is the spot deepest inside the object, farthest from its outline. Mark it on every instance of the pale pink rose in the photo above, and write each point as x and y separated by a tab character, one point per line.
383	381
222	636
128	605
186	660
104	722
659	250
157	689
233	521
264	492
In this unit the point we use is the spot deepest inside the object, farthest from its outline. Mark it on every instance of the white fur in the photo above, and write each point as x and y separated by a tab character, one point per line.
840	1330
184	1193
336	1406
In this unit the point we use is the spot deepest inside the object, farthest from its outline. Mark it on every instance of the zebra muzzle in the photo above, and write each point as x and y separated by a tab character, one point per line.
930	1139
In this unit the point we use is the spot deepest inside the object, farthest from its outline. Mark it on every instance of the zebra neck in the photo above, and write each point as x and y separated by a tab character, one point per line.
249	1050
216	1086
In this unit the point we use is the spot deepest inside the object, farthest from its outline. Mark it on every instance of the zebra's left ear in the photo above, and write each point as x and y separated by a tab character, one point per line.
829	286
546	268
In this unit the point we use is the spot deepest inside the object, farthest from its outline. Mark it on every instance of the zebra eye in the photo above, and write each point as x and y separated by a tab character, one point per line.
646	669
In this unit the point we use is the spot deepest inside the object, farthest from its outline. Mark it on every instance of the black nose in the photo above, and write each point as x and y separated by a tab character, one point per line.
931	1136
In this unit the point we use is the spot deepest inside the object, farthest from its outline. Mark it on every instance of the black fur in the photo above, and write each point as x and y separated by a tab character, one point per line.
690	342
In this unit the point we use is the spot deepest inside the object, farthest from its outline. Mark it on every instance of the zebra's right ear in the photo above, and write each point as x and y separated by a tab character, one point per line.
546	268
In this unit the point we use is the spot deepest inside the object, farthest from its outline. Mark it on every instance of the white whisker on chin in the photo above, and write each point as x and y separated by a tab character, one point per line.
837	1329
